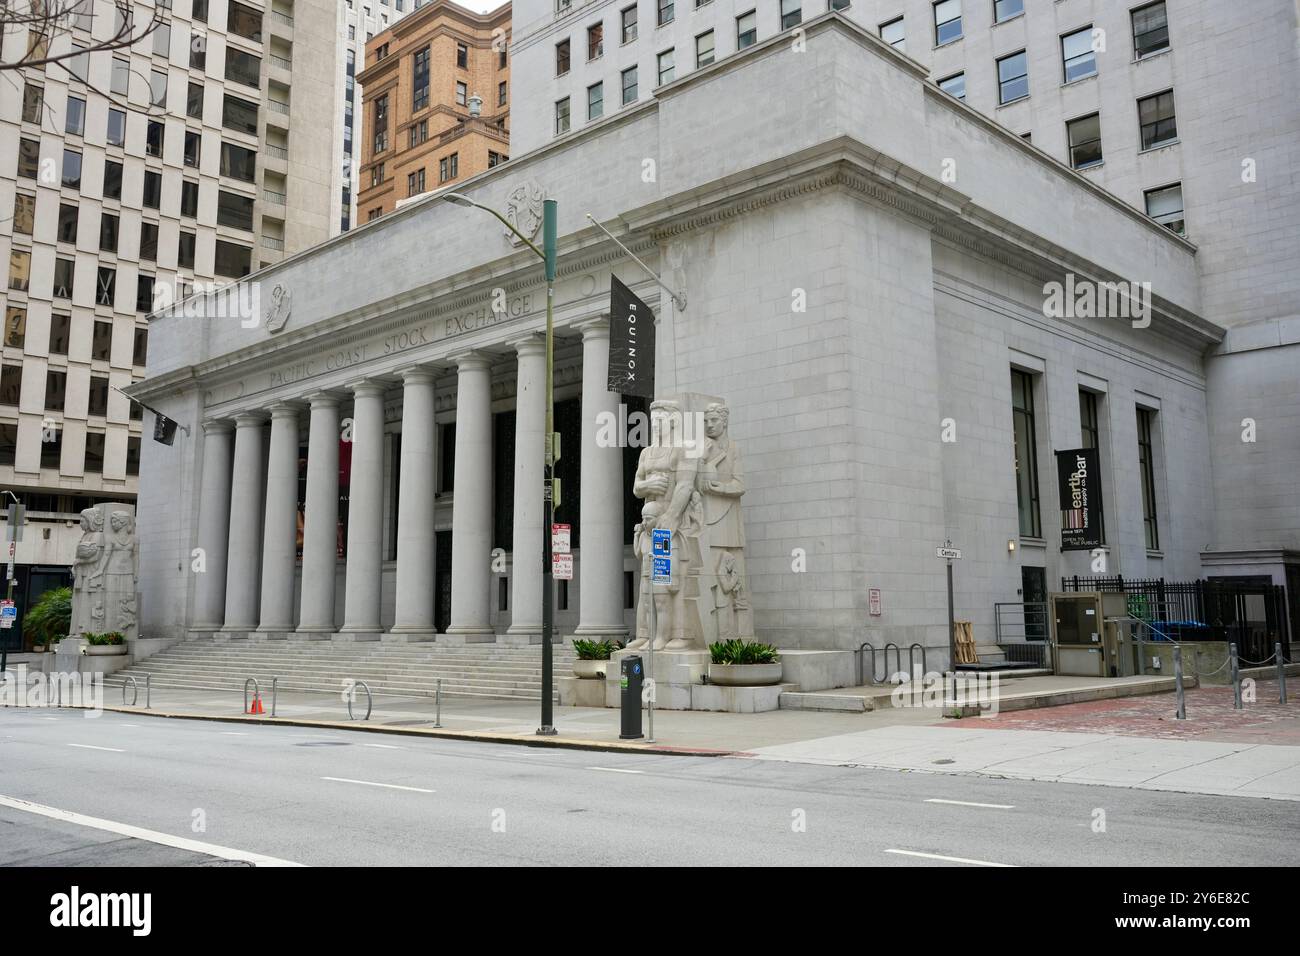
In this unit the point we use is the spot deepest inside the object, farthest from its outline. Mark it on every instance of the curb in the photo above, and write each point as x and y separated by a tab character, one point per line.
560	743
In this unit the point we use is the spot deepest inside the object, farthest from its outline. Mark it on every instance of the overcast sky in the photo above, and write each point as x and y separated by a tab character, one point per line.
480	6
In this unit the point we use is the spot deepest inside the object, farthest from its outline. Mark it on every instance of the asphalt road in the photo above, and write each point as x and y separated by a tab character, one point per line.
354	798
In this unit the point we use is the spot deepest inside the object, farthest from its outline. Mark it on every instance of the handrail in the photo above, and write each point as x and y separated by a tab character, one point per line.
370	699
256	691
866	645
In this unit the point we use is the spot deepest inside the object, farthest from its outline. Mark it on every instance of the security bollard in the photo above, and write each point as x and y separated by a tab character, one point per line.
1281	673
1181	713
1236	677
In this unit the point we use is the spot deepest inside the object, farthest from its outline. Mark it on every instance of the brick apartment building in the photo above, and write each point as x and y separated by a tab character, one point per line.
435	103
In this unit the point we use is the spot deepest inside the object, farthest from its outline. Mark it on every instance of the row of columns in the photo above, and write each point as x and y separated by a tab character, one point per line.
249	502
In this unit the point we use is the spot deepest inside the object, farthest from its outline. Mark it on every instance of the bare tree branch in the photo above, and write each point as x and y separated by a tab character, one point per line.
45	20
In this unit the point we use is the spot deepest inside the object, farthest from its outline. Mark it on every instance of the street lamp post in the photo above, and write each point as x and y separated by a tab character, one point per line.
547	255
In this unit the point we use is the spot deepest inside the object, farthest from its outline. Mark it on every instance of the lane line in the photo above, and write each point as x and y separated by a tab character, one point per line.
966	803
614	770
949	859
140	833
112	750
233	733
371	783
382	746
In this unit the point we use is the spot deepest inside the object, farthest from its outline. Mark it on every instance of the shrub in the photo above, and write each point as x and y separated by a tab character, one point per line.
595	650
100	640
743	652
50	618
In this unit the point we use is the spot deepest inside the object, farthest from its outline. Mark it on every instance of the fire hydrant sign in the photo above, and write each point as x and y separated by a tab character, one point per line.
8	613
562	567
560	539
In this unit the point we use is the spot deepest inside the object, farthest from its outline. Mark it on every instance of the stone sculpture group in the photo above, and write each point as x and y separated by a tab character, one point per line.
104	572
692	490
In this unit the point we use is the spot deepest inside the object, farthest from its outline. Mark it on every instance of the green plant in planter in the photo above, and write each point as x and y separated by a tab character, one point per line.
101	640
742	652
50	618
596	650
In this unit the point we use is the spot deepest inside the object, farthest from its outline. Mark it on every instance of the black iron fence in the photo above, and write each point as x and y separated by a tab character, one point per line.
1252	615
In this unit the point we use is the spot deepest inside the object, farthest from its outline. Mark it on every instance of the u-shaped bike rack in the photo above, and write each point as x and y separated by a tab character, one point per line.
370	699
911	659
256	691
135	692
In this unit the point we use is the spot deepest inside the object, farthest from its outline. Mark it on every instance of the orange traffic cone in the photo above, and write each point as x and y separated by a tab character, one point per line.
256	707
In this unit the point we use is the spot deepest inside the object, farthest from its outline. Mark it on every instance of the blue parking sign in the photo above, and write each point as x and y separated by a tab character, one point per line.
662	572
663	542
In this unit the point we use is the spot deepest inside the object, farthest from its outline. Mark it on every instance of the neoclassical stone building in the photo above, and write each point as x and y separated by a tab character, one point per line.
864	261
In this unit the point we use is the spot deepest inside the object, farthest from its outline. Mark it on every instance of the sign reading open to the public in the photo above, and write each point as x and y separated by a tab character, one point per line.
1079	474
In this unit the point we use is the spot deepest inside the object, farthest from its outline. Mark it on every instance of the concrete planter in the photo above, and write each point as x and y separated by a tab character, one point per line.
745	675
590	670
104	650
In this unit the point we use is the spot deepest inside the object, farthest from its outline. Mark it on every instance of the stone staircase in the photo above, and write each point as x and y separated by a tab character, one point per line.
403	670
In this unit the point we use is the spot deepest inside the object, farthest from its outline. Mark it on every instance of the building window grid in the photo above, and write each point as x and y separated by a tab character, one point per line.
1157	121
664	13
791	13
595	41
629	85
704	49
947	21
1084	136
627	19
894	34
667	66
1004	10
1078	57
595	101
1013	77
562	116
1150	30
746	30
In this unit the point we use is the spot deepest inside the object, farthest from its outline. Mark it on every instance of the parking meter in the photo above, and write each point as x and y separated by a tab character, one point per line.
631	677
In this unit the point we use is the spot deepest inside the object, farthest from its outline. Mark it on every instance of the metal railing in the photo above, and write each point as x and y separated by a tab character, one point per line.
270	195
279	152
273	243
282	62
275	682
276	106
1019	621
282	18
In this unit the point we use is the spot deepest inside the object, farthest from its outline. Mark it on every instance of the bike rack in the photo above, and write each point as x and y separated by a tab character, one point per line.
135	691
911	657
437	697
256	691
370	699
867	647
898	659
274	693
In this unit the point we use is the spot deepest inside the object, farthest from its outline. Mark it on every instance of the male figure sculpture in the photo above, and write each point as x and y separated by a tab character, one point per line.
721	482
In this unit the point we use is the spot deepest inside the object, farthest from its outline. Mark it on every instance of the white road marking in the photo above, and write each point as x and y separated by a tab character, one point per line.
233	733
382	746
965	803
49	718
112	750
139	833
371	783
950	859
615	770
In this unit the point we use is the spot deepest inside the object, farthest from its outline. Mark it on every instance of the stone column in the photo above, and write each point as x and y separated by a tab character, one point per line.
530	445
280	530
365	514
600	492
320	518
471	516
214	527
248	483
413	617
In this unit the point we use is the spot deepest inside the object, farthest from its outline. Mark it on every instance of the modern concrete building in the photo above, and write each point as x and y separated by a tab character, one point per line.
1183	110
877	328
197	155
436	95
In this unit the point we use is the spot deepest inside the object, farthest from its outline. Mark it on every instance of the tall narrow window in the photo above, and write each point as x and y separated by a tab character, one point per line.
1006	9
667	65
420	79
629	24
562	116
704	49
1077	54
629	85
947	21
75	121
1026	453
1150	30
595	101
954	85
116	127
1090	429
33	100
1146	464
595	40
462	56
1156	119
1013	77
381	124
791	13
1165	206
893	34
1085	141
666	11
746	30
562	58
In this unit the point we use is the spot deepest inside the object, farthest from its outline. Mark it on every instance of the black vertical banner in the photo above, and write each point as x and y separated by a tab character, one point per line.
631	343
1079	479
